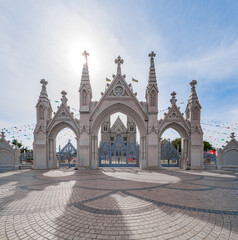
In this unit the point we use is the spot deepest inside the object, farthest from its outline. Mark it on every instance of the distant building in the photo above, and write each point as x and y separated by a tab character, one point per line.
110	133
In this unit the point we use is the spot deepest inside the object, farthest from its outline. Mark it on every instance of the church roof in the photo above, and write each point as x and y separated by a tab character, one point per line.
118	124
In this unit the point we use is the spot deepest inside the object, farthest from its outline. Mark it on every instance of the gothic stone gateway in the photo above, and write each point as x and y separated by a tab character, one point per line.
118	97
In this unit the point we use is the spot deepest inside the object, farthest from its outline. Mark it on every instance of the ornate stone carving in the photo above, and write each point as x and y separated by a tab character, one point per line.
118	90
173	114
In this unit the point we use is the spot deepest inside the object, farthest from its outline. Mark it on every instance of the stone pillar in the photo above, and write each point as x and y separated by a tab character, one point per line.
143	150
52	159
186	159
94	146
159	152
77	162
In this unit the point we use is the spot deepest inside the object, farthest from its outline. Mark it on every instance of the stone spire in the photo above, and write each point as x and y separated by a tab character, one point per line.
193	94
152	91
85	81
152	75
43	93
119	61
85	73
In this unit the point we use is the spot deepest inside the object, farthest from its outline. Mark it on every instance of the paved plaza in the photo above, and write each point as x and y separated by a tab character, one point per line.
118	204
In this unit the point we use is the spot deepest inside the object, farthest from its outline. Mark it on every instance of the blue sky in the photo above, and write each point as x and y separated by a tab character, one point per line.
192	40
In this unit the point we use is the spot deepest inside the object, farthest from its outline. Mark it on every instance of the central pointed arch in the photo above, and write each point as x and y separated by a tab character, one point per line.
138	116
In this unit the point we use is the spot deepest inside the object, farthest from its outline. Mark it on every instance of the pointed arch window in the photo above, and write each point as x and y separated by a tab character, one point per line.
41	112
195	113
152	98
84	98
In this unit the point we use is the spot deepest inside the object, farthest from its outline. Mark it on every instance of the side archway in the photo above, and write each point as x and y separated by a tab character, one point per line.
185	141
51	141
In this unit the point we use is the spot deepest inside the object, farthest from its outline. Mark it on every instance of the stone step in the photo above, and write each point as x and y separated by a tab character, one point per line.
26	166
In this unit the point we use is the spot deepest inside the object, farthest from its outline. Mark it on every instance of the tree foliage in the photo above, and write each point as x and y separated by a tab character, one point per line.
16	143
177	142
206	145
19	145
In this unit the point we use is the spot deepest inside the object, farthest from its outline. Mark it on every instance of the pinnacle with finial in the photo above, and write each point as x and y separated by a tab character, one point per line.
3	135
173	99
43	92
232	135
64	99
193	94
152	74
85	54
152	55
119	61
43	82
173	94
193	83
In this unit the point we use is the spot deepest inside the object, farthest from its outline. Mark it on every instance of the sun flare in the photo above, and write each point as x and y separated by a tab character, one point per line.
75	58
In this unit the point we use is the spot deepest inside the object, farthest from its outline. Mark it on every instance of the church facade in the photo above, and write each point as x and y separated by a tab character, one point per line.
110	133
118	97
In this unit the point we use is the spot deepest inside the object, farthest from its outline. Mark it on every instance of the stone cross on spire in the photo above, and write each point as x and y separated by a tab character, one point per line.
64	99
152	55
85	54
232	135
193	94
152	75
43	92
119	61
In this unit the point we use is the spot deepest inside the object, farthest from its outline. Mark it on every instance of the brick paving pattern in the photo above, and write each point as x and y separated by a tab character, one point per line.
118	204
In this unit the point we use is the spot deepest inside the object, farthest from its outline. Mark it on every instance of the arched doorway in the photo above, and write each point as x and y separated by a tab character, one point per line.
98	120
185	143
170	148
51	143
66	151
118	142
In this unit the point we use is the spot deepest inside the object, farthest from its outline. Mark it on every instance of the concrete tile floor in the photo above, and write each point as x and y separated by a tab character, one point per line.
118	204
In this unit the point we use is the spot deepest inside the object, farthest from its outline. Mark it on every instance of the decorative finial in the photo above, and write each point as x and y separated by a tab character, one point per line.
152	55
85	54
173	99
64	99
119	61
43	82
193	83
232	135
173	94
43	92
3	135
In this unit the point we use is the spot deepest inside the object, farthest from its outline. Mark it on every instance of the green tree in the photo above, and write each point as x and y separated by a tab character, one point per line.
207	146
176	142
16	143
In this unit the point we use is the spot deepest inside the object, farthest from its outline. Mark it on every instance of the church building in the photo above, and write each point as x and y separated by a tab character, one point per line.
110	133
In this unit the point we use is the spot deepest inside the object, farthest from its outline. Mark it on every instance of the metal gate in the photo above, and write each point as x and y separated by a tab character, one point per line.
169	155
119	154
67	156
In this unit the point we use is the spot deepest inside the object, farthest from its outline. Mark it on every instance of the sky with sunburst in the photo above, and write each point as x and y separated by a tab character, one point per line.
191	39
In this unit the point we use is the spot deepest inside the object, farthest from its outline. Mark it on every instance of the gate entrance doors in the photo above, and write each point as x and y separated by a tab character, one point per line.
169	155
67	156
119	154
